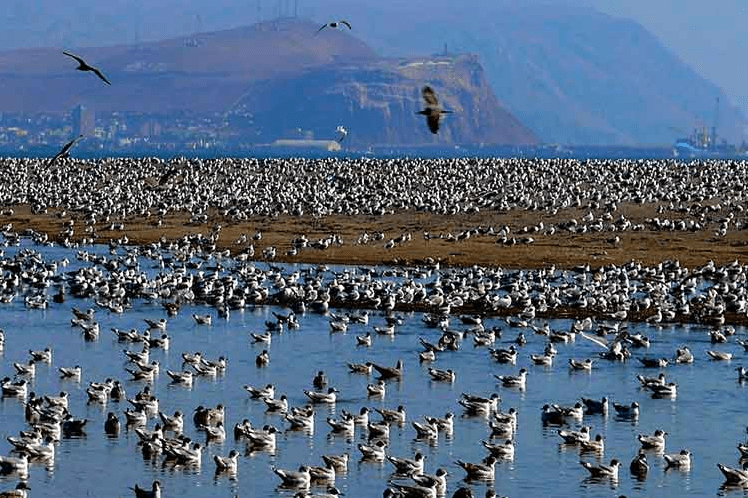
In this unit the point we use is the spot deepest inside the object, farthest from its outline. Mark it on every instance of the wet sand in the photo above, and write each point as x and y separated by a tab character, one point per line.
562	249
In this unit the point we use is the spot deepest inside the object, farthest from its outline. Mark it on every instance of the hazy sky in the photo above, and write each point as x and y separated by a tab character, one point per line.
708	35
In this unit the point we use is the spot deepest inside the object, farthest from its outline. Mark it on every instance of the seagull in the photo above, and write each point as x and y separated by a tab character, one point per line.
84	66
479	471
438	480
266	338
338	462
330	492
156	325
320	380
378	430
501	450
361	419
318	397
445	424
228	464
65	151
639	466
405	491
576	411
733	476
28	369
627	411
650	382
10	465
580	365
603	470
44	356
390	372
264	439
256	393
397	416
375	453
596	445
552	415
112	424
335	24
433	111
203	319
683	355
479	405
276	405
155	491
442	375
20	491
654	362
300	479
425	431
742	374
657	440
180	377
668	391
407	466
361	368
376	390
342	133
215	433
519	381
681	460
346	424
575	437
593	406
40	451
719	355
70	373
263	358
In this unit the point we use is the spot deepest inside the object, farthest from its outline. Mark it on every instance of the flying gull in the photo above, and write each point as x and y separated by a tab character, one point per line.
433	111
84	66
335	25
65	152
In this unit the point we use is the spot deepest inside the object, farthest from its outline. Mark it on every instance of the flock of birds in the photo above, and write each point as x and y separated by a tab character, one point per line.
192	271
591	198
199	269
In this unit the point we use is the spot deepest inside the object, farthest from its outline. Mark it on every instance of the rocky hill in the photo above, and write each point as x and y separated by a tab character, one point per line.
569	72
377	102
269	79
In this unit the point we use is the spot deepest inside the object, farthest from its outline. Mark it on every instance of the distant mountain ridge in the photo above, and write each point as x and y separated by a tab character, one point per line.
570	73
270	80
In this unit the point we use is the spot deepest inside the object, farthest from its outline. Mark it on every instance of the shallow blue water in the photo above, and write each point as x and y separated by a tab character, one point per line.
708	416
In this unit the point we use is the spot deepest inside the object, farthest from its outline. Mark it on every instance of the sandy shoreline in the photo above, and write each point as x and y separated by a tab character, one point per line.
562	249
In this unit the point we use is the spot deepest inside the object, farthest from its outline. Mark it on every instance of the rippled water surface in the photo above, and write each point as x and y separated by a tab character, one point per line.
708	417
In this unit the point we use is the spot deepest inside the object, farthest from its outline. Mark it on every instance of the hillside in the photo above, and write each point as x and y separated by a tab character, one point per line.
570	73
377	101
269	79
202	72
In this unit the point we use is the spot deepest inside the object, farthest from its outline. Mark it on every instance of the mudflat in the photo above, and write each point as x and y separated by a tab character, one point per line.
410	237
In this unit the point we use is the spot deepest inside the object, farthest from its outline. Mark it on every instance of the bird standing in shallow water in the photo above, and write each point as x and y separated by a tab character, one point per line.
433	110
